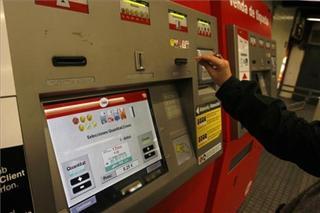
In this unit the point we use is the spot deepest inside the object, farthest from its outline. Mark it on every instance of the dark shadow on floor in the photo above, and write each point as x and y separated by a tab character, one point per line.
277	181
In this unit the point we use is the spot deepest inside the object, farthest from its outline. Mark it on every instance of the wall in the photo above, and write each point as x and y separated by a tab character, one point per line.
309	75
281	27
10	132
292	70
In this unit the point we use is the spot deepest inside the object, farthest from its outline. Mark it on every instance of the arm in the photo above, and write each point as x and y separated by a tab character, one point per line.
280	131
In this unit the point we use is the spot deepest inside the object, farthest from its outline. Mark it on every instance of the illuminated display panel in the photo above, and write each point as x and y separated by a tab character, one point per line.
177	21
102	140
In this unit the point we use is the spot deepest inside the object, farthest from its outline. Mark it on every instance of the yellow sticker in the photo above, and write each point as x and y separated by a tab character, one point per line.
172	42
208	127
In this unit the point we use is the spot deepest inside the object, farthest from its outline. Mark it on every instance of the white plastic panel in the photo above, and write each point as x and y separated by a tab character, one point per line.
7	87
10	130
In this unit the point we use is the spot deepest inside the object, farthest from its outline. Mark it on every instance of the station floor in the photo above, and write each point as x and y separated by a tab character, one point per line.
277	181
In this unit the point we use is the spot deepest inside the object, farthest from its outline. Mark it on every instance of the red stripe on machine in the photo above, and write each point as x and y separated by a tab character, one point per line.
73	5
84	105
181	28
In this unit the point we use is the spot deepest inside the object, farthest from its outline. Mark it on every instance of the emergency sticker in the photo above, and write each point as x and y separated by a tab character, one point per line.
244	75
74	5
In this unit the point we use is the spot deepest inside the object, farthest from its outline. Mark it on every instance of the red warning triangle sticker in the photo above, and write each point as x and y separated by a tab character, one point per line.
244	77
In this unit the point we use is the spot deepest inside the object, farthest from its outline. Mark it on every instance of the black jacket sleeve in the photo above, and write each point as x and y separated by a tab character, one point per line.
281	132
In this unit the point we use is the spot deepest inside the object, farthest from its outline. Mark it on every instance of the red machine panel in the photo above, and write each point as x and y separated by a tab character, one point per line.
223	186
238	165
190	197
193	195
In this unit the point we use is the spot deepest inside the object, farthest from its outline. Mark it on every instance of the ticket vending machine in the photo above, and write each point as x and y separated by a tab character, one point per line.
248	61
114	111
252	58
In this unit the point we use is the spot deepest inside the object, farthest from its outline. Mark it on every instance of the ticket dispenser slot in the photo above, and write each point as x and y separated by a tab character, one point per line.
180	61
123	123
203	75
262	78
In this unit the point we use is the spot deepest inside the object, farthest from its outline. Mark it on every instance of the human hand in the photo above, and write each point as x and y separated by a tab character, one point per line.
217	67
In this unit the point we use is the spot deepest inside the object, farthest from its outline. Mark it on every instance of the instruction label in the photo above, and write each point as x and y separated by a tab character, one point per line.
177	21
243	55
208	123
208	154
204	28
135	11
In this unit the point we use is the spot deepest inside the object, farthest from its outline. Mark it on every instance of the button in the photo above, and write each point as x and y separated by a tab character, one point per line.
148	148
81	187
107	177
79	179
153	175
149	155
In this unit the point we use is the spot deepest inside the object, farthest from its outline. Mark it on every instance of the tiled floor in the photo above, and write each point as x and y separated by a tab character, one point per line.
277	181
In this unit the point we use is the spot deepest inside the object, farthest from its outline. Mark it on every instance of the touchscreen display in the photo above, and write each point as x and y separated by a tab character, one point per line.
100	141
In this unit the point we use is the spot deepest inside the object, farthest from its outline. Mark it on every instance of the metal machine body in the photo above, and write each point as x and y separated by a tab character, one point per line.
69	59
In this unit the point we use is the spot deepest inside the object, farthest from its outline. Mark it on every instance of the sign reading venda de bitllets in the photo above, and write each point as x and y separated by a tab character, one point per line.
254	13
14	185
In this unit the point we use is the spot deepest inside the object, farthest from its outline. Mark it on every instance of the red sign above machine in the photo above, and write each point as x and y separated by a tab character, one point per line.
177	21
74	5
242	6
135	11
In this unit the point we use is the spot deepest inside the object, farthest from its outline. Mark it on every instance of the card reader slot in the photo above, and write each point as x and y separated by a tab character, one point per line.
65	61
180	61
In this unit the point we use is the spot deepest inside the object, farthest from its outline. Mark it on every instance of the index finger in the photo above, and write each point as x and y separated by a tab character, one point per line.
211	59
